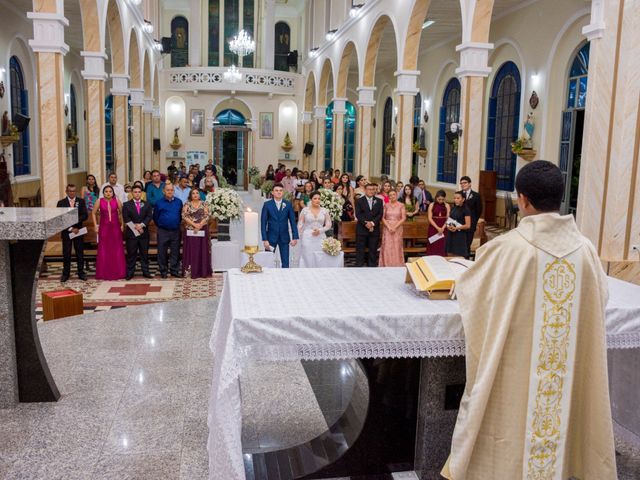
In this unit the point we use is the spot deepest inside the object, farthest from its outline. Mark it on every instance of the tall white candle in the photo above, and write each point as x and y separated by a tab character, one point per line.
251	229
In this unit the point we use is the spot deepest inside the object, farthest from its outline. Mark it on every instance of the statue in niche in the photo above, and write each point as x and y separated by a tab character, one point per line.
5	123
529	127
175	143
422	138
181	38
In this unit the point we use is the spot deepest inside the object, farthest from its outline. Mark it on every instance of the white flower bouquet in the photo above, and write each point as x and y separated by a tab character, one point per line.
332	202
331	246
253	171
224	204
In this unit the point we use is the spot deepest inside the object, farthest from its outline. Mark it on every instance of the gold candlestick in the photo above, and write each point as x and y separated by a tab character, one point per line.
251	266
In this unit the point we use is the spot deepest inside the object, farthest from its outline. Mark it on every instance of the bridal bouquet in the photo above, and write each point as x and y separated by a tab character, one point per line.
224	204
332	202
331	246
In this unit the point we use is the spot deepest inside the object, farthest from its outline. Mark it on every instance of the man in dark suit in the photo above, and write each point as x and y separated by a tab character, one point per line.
369	210
71	201
277	216
473	201
139	213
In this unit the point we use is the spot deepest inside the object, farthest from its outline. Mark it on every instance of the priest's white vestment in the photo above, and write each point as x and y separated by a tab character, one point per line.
536	402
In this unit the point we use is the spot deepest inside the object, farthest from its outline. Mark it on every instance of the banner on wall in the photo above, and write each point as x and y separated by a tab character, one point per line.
196	156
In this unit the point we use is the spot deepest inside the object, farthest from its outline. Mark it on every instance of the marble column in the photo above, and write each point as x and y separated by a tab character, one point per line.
364	127
155	133
268	37
195	33
406	81
120	92
137	133
473	72
95	76
307	122
49	47
319	115
147	120
339	110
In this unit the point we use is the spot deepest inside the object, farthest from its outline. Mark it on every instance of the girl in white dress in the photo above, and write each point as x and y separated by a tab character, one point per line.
313	222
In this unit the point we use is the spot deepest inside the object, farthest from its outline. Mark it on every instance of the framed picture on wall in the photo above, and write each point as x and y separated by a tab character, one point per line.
197	123
266	124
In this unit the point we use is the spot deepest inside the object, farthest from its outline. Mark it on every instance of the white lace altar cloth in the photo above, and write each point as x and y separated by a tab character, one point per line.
312	314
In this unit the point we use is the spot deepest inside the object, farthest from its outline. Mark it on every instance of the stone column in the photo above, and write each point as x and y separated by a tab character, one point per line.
337	157
95	76
49	47
147	120
319	115
364	125
473	72
136	102
406	81
195	34
155	133
268	36
307	122
120	92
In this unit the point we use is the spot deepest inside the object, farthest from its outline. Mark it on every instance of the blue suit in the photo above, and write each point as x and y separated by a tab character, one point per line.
275	227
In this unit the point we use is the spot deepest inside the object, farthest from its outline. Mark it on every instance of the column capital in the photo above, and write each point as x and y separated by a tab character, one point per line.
474	59
596	28
340	105
94	65
148	105
48	32
319	111
406	82
306	118
137	97
156	111
120	84
366	96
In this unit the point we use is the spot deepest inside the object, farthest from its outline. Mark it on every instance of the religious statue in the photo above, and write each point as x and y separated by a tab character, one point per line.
5	123
529	127
421	138
175	143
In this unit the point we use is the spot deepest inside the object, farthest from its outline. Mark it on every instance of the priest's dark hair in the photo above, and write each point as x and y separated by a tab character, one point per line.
541	182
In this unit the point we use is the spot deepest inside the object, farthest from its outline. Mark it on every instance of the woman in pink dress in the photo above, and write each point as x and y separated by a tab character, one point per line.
391	251
110	264
438	212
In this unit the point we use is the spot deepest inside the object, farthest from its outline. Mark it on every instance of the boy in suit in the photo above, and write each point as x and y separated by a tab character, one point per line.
277	215
369	210
473	201
140	214
71	201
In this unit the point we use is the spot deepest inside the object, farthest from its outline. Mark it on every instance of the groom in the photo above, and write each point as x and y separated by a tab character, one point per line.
277	215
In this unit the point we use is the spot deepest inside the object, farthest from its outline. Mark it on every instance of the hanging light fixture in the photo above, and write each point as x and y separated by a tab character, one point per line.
232	75
242	44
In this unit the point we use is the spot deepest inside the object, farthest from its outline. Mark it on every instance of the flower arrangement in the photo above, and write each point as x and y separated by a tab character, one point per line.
331	246
222	182
517	146
266	187
224	204
332	202
256	181
390	149
287	144
253	171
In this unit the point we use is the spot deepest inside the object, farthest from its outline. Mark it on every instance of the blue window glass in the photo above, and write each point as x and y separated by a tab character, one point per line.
349	138
447	150
386	136
108	137
580	65
417	109
19	105
571	100
328	136
578	79
230	117
504	116
582	93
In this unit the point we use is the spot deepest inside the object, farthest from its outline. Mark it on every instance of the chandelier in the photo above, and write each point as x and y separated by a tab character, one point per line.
232	75
242	45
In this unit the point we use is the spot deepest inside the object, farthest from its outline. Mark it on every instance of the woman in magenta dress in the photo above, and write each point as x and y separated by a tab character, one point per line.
107	217
395	214
438	212
196	256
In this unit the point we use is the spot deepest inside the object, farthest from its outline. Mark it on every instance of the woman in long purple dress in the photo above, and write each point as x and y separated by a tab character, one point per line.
196	250
391	250
438	212
110	264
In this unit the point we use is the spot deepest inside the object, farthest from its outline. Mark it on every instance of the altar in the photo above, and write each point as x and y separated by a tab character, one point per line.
369	313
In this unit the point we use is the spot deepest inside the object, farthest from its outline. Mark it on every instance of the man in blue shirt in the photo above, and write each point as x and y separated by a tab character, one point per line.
182	191
155	188
167	215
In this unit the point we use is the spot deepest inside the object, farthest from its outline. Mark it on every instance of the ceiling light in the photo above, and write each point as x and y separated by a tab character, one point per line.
242	44
428	22
355	10
232	75
331	34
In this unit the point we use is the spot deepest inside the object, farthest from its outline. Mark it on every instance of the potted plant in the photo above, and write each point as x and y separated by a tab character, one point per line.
266	188
420	150
519	147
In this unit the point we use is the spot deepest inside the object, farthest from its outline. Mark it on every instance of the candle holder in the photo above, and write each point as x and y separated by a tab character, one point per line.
251	266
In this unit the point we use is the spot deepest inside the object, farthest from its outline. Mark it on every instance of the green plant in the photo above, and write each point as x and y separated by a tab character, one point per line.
518	145
288	196
415	147
253	171
266	187
256	181
389	149
222	182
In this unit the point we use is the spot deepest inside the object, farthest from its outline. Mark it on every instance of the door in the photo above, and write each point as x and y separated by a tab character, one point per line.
567	136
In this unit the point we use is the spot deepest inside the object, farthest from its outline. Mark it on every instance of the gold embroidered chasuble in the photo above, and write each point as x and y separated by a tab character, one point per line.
536	403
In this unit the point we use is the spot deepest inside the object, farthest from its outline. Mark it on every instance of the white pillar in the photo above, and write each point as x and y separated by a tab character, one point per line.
268	35
195	34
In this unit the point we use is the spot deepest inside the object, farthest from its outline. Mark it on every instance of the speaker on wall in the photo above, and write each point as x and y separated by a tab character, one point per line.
21	122
308	148
166	44
292	59
156	145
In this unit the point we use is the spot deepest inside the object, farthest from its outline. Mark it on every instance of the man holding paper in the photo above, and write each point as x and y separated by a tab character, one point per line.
74	236
136	216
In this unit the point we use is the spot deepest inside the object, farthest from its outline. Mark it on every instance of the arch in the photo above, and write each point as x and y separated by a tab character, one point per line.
235	104
326	75
577	80
480	21
310	92
282	43
146	75
19	106
134	61
449	113
230	116
179	41
92	31
414	34
116	38
373	45
387	125
287	120
503	124
343	70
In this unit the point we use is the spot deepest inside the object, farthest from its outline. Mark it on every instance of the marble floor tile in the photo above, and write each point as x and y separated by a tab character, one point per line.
194	464
147	466
160	430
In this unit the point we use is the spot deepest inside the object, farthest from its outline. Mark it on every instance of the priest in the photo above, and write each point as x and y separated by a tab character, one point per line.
536	402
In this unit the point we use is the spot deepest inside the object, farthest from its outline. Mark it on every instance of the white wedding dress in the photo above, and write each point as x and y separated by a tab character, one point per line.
309	243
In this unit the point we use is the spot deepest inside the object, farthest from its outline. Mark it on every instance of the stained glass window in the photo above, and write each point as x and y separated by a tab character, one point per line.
328	136
19	105
417	109
578	79
248	19
447	150
349	138
108	126
386	136
231	29
214	33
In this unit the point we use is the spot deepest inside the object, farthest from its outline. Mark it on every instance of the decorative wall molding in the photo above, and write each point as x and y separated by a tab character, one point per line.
148	105
319	111
137	97
120	84
48	32
340	105
94	65
406	82
306	118
366	96
156	111
596	28
474	59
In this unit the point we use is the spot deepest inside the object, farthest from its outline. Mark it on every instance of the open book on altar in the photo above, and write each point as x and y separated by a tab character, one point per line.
436	275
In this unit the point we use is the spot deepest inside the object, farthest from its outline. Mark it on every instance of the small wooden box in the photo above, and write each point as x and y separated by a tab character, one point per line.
61	303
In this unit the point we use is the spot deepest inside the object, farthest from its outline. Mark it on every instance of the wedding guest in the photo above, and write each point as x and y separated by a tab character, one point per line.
347	190
117	188
280	173
270	174
196	250
473	201
427	198
305	198
191	180
110	262
155	190
347	206
456	244
127	190
336	177
208	173
167	215
437	213
146	178
143	195
409	201
277	216
172	169
313	177
137	212
361	184
384	191
182	190
208	188
327	183
90	192
391	249
288	182
368	213
72	201
399	188
300	181
313	224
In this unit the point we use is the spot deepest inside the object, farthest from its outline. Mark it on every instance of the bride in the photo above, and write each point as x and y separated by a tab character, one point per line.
314	221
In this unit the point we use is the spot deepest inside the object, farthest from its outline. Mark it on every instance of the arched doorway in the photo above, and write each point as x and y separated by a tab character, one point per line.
572	128
231	145
19	105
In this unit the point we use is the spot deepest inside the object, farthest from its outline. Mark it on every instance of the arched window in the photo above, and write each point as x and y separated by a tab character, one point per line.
282	47
386	136
108	134
73	107
577	89
447	150
349	137
504	117
328	136
229	117
179	41
214	33
237	15
417	107
19	105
